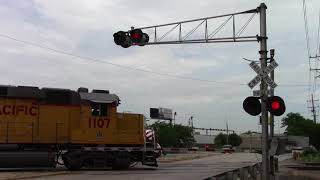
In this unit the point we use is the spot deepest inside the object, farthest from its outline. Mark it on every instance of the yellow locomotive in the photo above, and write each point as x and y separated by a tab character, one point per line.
39	127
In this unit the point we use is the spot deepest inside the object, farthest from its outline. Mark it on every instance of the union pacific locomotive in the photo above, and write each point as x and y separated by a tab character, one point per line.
48	126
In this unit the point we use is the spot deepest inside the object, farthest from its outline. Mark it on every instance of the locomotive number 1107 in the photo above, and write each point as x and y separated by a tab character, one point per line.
99	122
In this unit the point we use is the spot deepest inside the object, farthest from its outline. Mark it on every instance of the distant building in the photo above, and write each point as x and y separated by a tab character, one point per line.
250	141
300	141
204	141
253	141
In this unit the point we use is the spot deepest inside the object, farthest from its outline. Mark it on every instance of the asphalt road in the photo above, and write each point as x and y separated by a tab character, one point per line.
187	170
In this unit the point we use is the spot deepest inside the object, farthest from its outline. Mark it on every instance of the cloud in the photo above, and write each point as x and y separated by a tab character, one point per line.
85	28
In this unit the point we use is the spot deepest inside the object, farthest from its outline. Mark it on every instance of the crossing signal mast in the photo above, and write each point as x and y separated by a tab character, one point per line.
252	105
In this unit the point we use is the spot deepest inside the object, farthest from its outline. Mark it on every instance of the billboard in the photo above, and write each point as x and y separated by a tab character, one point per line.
161	113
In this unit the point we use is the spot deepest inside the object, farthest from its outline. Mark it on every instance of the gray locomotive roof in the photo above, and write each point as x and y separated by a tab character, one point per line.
100	97
24	91
35	92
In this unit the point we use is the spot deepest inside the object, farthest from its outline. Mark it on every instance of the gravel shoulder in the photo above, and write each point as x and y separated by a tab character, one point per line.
296	174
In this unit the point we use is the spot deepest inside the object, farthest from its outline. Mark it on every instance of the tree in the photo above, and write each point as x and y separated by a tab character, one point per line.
169	135
234	139
292	119
220	140
184	135
297	125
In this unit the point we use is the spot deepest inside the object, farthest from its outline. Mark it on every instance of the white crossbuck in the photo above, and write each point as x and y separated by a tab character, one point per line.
263	74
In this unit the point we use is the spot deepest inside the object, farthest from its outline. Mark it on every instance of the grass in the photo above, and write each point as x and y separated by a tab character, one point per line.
312	157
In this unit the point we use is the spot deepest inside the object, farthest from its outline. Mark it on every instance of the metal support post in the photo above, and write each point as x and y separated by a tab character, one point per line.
263	88
272	94
272	176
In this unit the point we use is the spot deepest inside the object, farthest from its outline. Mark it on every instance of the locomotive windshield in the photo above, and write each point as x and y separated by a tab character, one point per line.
99	109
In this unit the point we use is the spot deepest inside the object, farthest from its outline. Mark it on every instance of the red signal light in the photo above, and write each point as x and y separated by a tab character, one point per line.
275	105
129	38
136	36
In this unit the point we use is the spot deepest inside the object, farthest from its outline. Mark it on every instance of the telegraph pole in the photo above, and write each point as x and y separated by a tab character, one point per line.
313	109
263	88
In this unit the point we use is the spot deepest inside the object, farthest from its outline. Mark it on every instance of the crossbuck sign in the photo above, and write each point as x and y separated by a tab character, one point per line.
263	74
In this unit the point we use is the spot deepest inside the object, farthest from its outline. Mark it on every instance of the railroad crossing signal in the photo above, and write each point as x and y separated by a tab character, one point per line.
263	74
252	105
122	38
275	105
133	37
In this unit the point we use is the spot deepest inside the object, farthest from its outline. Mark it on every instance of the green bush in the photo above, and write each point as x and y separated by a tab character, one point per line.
309	151
310	155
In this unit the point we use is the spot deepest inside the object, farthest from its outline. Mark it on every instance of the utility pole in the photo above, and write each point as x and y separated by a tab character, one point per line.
191	120
313	109
227	132
263	88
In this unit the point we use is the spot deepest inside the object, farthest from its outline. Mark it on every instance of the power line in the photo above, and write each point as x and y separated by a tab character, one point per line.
315	69
306	26
317	54
304	8
131	68
113	64
317	51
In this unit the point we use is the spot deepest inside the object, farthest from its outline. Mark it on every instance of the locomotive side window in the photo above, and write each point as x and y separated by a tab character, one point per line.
99	109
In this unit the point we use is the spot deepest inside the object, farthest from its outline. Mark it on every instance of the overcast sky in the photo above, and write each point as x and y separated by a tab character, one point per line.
85	28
